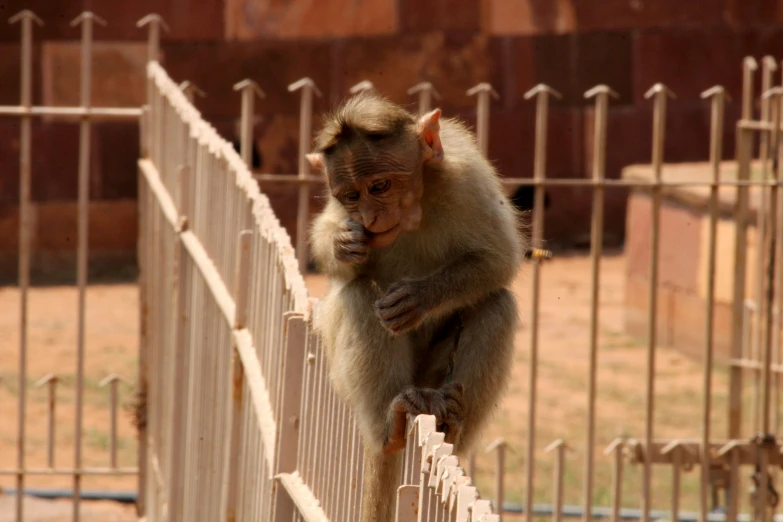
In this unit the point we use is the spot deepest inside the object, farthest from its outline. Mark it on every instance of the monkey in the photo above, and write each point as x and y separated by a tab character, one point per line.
420	245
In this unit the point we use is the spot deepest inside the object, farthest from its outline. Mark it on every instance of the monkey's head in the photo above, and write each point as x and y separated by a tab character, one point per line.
373	154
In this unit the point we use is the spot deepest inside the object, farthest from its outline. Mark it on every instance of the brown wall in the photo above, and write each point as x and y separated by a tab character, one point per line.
514	44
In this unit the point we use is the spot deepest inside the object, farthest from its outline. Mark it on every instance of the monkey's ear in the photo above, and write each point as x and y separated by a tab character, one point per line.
428	129
316	161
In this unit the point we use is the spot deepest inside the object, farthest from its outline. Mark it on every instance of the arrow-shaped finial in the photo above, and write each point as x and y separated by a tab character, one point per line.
153	18
87	15
425	86
249	84
601	89
774	91
364	85
500	442
769	63
189	87
660	88
21	15
112	378
715	91
612	447
483	87
46	379
556	444
542	88
304	82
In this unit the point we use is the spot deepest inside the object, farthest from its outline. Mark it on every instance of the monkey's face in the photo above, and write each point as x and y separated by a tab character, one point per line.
372	153
377	179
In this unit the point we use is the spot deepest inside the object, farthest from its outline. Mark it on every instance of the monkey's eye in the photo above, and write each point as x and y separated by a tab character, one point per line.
375	136
351	196
379	187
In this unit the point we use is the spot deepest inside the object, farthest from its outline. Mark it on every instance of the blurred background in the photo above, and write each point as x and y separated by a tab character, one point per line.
571	45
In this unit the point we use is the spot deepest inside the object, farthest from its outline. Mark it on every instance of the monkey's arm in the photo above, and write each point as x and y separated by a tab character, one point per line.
463	282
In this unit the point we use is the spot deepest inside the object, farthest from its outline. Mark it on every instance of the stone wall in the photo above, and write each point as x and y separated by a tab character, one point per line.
514	44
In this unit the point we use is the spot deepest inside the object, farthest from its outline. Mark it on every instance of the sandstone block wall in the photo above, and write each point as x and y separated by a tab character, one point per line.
514	44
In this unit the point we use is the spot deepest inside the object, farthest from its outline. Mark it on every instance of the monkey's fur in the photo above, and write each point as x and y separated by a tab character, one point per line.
420	243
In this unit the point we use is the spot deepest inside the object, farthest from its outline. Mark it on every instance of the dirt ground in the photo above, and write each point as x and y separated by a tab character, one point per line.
561	398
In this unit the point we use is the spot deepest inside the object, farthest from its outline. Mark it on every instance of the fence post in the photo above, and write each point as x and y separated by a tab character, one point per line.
296	334
426	93
484	91
248	88
541	92
180	342
241	283
305	136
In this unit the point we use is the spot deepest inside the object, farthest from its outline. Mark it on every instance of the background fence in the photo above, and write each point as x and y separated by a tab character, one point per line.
241	421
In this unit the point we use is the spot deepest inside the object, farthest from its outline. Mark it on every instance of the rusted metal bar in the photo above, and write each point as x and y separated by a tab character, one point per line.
542	93
74	113
308	88
249	90
426	93
560	447
50	380
749	66
499	446
484	92
26	18
616	449
112	380
601	93
660	92
718	97
744	155
86	21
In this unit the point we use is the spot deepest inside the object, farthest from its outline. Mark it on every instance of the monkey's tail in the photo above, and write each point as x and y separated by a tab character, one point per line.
381	477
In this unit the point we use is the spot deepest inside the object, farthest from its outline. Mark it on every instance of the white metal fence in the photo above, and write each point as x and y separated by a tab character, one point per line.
242	422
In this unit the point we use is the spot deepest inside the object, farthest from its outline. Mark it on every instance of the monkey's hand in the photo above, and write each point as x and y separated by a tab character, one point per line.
445	403
403	307
350	243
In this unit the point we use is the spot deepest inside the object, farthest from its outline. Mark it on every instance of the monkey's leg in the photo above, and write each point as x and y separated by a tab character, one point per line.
482	363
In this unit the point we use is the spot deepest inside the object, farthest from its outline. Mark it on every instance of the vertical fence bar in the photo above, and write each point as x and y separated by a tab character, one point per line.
500	446
601	93
749	65
542	93
25	93
427	93
51	381
112	381
616	450
86	20
483	92
660	92
559	447
305	136
744	155
249	88
718	96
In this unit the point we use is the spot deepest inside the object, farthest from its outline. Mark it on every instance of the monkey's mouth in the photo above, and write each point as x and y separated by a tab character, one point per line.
385	238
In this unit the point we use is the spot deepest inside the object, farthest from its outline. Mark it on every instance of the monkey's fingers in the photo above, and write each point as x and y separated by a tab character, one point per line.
401	323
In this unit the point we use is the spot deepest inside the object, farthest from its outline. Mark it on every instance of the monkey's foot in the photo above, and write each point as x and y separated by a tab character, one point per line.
445	403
